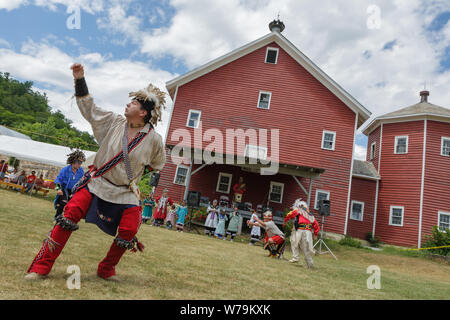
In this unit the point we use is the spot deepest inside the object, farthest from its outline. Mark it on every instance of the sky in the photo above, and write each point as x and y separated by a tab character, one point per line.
382	52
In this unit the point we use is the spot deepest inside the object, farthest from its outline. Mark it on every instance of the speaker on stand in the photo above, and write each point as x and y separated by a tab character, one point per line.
193	201
324	211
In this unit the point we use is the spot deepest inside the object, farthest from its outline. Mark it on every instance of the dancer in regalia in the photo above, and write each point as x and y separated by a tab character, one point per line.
110	198
302	232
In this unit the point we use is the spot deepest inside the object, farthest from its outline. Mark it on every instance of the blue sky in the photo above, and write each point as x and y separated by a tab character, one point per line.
383	67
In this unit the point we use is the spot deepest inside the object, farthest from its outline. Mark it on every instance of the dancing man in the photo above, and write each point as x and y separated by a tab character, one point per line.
67	178
301	237
110	198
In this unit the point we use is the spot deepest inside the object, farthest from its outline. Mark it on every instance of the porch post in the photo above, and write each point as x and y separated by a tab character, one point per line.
309	192
188	180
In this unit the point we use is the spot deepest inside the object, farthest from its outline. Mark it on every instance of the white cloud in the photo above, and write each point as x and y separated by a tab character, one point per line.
11	4
360	152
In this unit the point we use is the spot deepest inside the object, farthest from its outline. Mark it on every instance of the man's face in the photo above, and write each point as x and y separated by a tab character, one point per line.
134	110
76	165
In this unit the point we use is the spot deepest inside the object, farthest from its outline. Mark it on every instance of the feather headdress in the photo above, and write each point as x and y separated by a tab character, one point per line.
151	93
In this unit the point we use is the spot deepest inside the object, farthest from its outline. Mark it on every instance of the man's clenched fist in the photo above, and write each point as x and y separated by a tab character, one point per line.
78	71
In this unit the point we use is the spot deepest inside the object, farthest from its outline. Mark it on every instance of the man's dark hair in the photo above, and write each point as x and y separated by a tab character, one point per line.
148	106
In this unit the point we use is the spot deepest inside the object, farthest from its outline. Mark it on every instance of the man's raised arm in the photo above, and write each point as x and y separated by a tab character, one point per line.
100	120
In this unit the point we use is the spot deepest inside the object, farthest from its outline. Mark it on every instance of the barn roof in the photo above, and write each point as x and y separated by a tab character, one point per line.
289	48
417	111
365	170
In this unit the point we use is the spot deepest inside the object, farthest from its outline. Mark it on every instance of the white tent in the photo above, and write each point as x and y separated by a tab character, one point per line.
36	151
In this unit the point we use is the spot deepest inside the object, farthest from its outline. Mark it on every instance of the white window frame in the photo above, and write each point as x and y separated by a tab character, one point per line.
323	139
229	175
259	99
362	210
396	144
176	174
373	148
442	146
274	183
267	53
390	215
439	218
259	148
316	202
189	117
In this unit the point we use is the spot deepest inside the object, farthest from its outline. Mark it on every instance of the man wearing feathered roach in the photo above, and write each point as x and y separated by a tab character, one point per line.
128	146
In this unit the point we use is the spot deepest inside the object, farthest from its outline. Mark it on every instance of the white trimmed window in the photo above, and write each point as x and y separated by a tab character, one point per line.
396	216
357	212
328	140
224	182
444	220
445	146
271	55
180	175
264	100
321	195
276	192
255	152
372	150
401	145
193	119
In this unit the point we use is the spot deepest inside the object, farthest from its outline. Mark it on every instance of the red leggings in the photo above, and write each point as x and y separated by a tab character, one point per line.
75	210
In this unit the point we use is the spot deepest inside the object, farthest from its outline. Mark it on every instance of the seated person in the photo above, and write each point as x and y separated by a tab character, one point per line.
13	177
274	238
22	179
39	184
30	181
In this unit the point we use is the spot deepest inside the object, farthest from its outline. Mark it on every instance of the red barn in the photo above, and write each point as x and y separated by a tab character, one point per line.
409	150
263	106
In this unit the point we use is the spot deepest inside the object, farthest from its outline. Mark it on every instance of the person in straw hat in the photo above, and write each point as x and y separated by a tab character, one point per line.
302	232
128	146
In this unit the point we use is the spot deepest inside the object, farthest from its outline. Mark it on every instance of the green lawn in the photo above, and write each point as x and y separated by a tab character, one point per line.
191	266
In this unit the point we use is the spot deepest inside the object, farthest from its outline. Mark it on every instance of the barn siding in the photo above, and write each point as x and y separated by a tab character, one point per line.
437	177
362	191
400	183
301	108
374	136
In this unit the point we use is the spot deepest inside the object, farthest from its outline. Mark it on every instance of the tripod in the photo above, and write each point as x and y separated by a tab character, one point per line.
320	241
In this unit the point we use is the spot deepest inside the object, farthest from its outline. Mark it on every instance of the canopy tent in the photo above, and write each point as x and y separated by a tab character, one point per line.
36	151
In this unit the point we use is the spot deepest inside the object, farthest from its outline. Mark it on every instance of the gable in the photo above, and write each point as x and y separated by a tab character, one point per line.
291	50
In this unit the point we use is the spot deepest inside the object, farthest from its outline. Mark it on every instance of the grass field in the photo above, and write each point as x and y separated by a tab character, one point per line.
191	266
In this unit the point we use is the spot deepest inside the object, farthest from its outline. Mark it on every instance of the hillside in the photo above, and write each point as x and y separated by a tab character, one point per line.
28	112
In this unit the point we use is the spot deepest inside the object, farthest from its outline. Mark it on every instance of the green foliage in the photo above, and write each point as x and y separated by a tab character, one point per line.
14	162
374	241
28	112
144	188
351	242
438	238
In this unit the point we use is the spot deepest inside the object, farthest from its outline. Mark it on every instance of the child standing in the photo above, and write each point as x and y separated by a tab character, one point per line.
211	219
256	229
170	219
233	225
220	229
149	203
181	214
